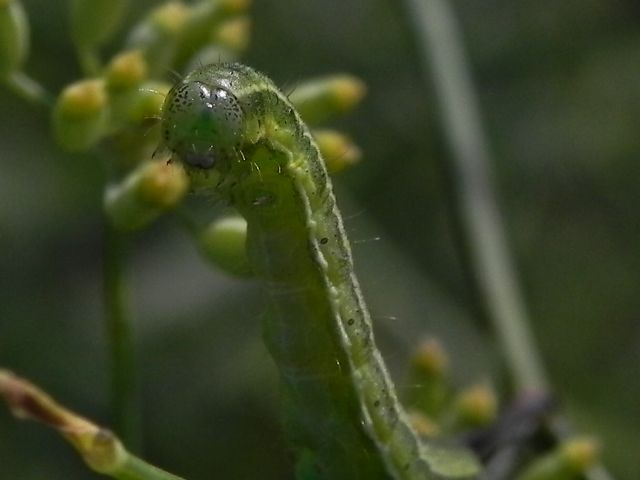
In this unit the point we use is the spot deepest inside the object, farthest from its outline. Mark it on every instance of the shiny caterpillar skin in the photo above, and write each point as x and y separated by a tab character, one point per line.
239	136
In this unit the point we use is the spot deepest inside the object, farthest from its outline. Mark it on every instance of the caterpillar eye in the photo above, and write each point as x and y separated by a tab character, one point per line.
200	120
200	160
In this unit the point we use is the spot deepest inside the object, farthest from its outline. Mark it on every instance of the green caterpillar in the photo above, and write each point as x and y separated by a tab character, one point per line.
239	137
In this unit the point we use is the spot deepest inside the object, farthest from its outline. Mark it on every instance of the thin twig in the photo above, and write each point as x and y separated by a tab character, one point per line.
28	88
490	262
89	60
440	42
124	389
101	450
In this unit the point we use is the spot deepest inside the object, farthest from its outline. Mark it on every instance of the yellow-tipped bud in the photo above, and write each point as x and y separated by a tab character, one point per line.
128	100
14	36
203	21
569	461
94	21
337	149
424	425
162	184
81	114
431	359
223	243
476	406
170	17
321	99
147	192
580	453
147	103
83	98
430	388
158	33
233	34
126	70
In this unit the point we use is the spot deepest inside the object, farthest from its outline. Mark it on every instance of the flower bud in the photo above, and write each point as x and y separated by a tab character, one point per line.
430	359
321	99
430	389
150	190
147	101
423	425
170	18
223	243
569	461
580	453
81	114
157	35
126	70
476	407
14	36
337	149
203	21
233	34
123	77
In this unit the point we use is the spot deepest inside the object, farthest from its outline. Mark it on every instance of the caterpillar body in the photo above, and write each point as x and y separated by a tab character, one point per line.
235	132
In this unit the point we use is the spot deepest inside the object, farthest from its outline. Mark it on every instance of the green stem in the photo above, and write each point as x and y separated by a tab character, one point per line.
440	42
29	89
124	390
89	61
477	207
101	450
135	468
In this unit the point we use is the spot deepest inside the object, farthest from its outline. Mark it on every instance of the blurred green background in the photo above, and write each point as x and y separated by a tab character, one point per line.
559	85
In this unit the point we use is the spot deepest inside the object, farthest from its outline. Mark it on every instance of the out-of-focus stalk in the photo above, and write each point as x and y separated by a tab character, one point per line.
101	450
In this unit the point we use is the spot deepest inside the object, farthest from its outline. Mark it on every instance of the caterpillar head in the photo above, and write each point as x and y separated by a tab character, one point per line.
201	122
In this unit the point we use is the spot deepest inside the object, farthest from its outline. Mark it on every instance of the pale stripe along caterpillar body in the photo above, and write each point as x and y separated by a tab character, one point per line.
230	126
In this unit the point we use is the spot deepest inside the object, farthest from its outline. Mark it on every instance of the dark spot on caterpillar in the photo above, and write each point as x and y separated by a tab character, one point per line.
351	321
324	240
376	403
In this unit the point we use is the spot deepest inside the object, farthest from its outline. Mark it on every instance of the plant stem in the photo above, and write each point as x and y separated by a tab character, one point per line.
29	89
124	389
477	208
89	61
101	450
135	468
440	42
